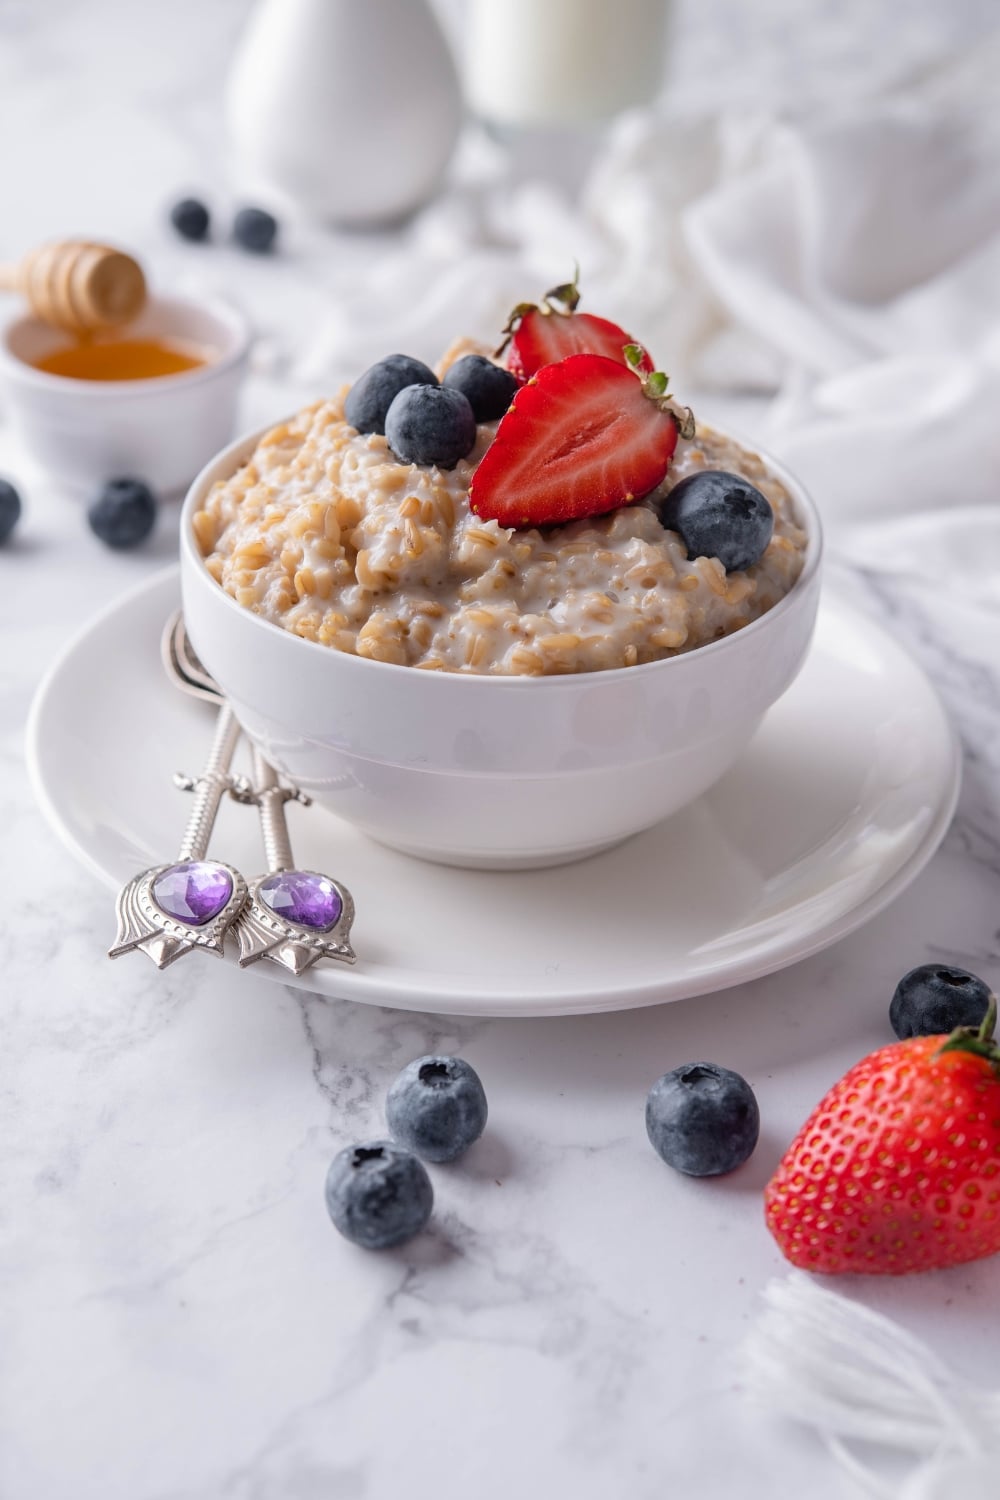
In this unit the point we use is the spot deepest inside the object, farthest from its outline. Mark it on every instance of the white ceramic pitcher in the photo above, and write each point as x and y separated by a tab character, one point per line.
344	110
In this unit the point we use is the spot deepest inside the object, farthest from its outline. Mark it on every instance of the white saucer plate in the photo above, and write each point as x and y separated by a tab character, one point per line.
840	801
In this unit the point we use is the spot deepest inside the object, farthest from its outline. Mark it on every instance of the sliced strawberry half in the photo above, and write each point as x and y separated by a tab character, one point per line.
544	338
584	436
544	334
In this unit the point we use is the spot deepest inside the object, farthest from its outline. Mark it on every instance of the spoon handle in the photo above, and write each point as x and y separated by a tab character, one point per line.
271	798
191	904
211	786
293	917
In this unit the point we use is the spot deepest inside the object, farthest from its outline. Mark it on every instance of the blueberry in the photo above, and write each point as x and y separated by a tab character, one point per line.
255	229
437	1107
702	1119
10	509
378	1195
430	424
191	219
935	998
488	388
123	514
373	393
719	515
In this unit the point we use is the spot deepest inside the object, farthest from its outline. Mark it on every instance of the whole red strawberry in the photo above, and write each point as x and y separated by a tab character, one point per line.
899	1168
584	436
543	334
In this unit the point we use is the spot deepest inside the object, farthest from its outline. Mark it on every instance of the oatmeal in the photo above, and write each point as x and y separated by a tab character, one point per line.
326	534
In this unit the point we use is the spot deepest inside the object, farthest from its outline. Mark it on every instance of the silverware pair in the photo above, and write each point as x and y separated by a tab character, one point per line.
286	916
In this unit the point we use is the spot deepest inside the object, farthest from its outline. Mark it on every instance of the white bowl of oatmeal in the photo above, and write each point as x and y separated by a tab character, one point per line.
471	695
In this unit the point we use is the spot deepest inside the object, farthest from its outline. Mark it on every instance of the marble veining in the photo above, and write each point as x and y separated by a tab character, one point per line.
178	1319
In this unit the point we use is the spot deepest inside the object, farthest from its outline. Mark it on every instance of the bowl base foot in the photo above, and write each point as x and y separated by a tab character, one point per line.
467	860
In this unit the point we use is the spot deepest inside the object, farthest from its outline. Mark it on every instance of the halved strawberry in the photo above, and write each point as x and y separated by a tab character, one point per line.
584	436
545	334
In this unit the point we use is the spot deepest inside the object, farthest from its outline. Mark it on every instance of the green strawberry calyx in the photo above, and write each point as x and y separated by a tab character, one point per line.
980	1042
655	385
561	300
565	298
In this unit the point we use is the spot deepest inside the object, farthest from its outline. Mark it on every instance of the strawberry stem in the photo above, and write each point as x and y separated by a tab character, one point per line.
568	294
655	384
510	327
981	1043
562	300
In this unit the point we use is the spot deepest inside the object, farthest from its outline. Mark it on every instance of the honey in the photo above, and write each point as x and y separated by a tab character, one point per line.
121	359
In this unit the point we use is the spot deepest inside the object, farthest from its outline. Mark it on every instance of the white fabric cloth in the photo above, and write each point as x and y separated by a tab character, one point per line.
848	264
862	1382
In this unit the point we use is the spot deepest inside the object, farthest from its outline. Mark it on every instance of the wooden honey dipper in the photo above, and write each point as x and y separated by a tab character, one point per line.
78	286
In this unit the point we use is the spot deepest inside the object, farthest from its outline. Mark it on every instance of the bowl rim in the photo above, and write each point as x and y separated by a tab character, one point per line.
238	452
97	390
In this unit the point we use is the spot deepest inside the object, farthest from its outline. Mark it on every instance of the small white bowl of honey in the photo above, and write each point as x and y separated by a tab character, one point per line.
153	400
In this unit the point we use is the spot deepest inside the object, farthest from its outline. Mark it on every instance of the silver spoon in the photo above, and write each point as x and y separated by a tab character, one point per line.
292	917
191	904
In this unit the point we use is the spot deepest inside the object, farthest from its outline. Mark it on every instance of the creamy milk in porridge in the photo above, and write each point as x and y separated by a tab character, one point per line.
324	533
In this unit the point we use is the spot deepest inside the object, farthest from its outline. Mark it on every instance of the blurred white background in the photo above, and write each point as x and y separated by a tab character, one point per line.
125	91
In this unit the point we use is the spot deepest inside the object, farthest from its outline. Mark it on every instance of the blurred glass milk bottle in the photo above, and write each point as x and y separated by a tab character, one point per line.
556	63
344	110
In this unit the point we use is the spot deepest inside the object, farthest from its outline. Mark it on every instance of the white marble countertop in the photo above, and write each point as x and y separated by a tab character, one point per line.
178	1320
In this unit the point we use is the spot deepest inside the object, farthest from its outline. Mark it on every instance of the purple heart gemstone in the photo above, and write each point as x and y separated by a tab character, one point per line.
300	896
193	892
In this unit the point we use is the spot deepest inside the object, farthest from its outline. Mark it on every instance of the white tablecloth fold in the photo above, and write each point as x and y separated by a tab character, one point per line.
848	264
863	1383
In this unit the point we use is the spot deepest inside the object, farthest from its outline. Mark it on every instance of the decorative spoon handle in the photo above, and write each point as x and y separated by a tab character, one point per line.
271	798
210	787
293	917
173	909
